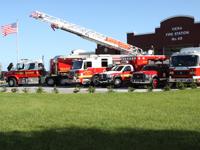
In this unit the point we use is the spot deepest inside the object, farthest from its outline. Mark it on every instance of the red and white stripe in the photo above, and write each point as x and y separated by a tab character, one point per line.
9	29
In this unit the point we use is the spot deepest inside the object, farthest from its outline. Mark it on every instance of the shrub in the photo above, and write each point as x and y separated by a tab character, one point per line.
131	89
110	89
91	89
40	90
167	87
150	88
14	90
55	90
77	89
180	85
4	89
193	85
25	90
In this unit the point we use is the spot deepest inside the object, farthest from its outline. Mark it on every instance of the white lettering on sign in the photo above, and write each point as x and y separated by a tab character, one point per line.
177	33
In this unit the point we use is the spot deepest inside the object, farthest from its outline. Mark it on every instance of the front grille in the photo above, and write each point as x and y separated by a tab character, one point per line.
138	77
181	73
71	73
103	76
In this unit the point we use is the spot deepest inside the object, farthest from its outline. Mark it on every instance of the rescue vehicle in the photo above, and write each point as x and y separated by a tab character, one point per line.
86	69
25	72
83	71
185	66
151	75
61	65
116	76
123	73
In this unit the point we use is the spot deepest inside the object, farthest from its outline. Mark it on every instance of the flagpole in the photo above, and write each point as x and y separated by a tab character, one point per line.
17	45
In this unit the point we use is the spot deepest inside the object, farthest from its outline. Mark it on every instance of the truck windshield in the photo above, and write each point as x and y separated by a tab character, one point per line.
186	60
77	65
150	68
118	68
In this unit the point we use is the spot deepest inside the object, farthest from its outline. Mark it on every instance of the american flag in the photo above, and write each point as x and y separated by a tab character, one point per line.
9	29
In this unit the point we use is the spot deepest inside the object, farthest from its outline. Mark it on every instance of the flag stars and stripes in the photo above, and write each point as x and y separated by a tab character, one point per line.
9	29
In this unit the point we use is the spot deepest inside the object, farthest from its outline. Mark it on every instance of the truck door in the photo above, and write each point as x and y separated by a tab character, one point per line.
127	73
87	69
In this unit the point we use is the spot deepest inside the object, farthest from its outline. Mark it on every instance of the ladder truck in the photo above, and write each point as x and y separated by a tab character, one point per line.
89	69
57	23
87	76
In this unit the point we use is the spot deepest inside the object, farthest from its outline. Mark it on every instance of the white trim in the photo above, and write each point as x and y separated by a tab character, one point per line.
196	77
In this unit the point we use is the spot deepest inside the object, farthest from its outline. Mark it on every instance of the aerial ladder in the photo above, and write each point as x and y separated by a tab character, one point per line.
57	23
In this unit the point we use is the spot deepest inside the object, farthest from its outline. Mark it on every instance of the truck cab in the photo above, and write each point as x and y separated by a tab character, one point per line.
117	75
84	71
185	66
152	74
25	72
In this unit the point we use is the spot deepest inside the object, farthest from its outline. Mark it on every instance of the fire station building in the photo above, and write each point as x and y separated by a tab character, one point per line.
172	35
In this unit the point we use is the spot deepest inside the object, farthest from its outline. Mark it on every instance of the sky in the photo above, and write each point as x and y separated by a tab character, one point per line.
113	18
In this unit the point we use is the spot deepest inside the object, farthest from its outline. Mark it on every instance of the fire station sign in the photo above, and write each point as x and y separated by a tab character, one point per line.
177	33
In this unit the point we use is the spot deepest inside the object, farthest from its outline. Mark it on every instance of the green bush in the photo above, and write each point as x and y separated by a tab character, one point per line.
3	89
180	85
91	89
150	88
167	87
14	90
110	89
40	90
193	85
131	89
25	90
77	89
55	90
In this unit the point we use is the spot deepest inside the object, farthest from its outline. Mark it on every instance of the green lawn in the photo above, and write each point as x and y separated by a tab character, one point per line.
109	121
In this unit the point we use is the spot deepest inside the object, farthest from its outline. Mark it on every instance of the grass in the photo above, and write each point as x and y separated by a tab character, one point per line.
109	121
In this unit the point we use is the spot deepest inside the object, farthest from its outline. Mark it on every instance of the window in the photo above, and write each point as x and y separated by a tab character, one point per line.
150	67
104	62
31	66
20	66
118	68
184	60
128	68
77	64
87	64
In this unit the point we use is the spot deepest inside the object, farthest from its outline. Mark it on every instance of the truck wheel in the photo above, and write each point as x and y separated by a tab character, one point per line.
135	86
62	82
117	82
95	80
155	83
12	82
50	81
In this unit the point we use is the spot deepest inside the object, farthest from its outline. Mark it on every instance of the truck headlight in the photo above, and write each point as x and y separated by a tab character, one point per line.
192	72
171	72
109	76
147	76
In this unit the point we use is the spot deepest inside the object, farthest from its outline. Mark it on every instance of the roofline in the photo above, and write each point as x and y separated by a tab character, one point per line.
142	33
176	16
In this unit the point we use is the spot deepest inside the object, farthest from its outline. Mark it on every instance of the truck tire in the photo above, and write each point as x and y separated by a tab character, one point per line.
50	81
95	80
61	82
155	83
12	82
117	82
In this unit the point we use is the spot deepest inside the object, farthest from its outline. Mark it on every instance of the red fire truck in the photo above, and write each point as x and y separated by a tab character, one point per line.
60	67
185	66
88	68
83	71
25	72
123	73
